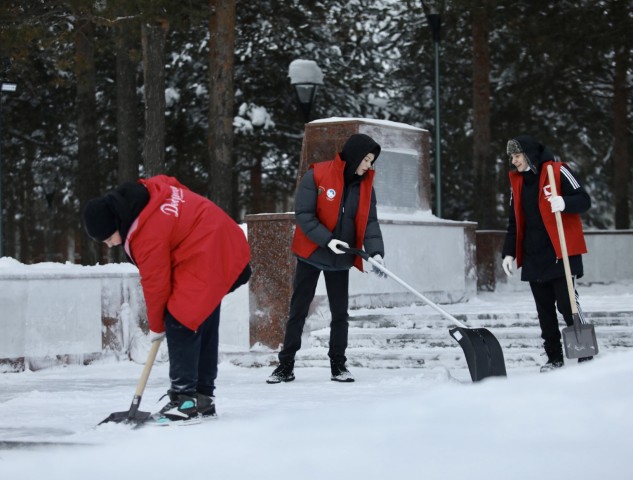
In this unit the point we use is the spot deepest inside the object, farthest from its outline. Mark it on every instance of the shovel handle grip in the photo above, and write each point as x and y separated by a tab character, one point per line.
355	251
563	244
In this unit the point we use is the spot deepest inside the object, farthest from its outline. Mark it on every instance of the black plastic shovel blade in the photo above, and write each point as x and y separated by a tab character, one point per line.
133	416
483	352
580	340
136	418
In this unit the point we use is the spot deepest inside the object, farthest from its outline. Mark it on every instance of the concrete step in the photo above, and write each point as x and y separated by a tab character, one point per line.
476	320
397	338
451	358
423	338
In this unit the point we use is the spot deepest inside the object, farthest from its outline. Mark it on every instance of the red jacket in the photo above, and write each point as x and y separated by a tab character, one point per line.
189	253
572	224
328	177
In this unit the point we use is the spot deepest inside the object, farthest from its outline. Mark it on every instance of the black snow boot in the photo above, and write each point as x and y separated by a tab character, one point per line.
552	364
340	373
283	373
206	405
181	407
554	358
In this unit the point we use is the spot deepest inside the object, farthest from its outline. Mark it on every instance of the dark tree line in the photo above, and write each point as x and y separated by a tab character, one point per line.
108	91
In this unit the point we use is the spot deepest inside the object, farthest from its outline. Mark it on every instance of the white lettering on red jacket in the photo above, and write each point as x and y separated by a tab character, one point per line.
172	207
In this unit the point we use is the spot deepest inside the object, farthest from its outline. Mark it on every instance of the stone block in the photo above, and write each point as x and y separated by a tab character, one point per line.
270	287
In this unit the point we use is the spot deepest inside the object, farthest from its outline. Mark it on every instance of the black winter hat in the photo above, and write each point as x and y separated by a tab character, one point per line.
535	152
355	149
115	211
100	219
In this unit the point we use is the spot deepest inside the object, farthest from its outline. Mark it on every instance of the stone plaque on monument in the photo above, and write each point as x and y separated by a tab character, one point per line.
402	174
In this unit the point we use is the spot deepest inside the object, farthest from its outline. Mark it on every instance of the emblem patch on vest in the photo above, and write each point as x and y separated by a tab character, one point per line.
331	193
547	191
320	190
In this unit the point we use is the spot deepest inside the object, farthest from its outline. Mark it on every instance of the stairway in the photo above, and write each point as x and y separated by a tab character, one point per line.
419	340
418	337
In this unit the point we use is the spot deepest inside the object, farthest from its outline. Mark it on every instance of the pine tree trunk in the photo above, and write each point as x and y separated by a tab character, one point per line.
154	34
484	193
127	56
87	155
220	146
621	162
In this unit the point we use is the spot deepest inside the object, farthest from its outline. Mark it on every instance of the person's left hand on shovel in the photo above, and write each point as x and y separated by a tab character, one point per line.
374	269
156	336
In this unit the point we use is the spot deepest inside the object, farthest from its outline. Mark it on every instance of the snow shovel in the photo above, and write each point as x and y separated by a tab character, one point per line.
580	338
482	349
134	415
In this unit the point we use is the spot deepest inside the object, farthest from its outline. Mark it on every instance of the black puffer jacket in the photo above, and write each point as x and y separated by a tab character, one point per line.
539	258
353	152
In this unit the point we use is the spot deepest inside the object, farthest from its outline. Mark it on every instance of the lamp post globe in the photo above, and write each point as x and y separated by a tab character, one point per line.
305	77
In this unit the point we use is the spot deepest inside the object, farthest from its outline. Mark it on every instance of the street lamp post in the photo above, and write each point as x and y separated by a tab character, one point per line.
434	20
5	87
305	77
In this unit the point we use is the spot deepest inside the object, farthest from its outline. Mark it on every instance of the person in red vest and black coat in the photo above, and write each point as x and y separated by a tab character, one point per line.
335	206
190	254
532	236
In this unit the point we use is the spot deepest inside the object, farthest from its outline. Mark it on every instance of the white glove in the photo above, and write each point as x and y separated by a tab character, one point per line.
334	244
378	259
507	264
557	203
156	337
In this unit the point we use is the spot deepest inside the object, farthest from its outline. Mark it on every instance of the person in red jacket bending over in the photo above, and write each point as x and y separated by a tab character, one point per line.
190	254
532	236
335	206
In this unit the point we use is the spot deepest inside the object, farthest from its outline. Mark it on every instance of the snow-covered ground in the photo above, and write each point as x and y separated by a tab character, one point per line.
409	424
422	423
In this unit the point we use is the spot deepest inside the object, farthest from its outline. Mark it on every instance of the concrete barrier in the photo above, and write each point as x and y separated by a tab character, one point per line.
606	260
54	314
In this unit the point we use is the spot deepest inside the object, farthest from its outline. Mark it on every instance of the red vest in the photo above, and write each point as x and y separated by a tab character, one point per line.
572	225
329	180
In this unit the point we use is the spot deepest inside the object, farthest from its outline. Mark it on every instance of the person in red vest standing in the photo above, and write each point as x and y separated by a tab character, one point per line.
532	236
335	206
190	254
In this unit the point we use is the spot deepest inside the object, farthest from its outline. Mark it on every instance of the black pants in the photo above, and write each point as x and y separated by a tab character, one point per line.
550	296
304	287
193	356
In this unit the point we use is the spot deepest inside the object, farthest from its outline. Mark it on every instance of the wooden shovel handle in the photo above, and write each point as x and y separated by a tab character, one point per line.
563	244
151	356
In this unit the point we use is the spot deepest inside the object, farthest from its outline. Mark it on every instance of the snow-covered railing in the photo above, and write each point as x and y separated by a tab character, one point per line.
53	313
